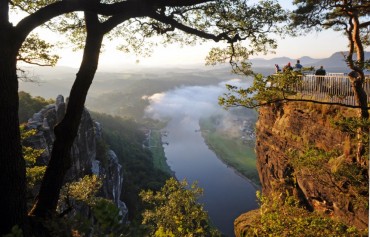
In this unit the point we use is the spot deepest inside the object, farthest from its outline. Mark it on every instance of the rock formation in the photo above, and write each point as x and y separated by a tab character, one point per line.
282	128
87	158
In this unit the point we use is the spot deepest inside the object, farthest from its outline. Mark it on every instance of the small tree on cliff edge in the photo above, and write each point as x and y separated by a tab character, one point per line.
208	19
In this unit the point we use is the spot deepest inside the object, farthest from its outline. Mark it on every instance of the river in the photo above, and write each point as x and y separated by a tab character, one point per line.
226	193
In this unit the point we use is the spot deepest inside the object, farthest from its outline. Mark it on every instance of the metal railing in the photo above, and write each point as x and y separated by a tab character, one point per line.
332	88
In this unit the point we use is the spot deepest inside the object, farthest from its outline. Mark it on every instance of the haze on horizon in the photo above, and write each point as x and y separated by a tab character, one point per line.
314	45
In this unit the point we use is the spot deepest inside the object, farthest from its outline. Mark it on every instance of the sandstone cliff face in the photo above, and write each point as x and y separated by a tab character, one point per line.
297	126
85	153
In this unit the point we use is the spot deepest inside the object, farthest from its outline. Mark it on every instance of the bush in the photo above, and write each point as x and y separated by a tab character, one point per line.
174	211
283	217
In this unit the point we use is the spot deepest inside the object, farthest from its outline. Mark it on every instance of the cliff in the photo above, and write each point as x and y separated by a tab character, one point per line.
88	155
332	185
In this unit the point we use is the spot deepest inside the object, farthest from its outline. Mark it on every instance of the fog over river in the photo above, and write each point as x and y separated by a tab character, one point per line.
226	193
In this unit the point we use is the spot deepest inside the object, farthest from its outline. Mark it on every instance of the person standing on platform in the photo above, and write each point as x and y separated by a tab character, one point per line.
298	66
320	73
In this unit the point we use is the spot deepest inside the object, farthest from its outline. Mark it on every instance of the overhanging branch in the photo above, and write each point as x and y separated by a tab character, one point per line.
286	100
27	24
193	31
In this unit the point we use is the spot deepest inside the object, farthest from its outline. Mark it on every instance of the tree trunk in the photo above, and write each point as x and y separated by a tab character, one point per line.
360	96
361	100
13	208
66	130
357	79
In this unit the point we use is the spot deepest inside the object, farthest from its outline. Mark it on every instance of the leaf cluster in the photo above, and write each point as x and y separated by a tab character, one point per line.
84	190
174	211
316	15
186	24
34	172
351	125
105	219
37	51
264	90
254	24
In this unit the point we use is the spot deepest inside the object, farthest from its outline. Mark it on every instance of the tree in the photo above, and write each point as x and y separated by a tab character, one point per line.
174	211
208	19
353	19
350	17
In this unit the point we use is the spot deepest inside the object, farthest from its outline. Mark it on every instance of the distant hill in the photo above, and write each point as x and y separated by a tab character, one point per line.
335	62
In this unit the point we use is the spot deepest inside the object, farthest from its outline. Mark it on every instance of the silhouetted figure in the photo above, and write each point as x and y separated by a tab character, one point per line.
298	66
287	67
277	68
319	78
321	71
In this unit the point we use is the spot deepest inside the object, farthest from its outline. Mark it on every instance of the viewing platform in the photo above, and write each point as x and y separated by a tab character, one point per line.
333	88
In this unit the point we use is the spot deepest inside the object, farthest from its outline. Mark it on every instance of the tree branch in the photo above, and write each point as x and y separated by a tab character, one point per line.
286	100
26	25
365	24
193	31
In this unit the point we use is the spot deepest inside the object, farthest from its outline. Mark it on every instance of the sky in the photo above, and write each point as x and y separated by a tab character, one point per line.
315	45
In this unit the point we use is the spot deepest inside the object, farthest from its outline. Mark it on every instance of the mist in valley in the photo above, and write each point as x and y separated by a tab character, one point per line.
192	103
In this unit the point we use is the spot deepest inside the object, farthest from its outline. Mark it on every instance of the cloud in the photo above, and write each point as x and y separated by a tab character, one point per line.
189	101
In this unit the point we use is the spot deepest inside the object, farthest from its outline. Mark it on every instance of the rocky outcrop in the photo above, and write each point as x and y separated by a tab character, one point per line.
282	128
88	156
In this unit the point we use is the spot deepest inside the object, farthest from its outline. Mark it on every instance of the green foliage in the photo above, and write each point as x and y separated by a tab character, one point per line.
184	24
83	190
231	150
348	17
174	211
34	172
125	137
108	219
311	15
105	219
157	151
313	158
335	171
256	22
37	51
351	125
29	105
282	217
358	129
265	90
15	232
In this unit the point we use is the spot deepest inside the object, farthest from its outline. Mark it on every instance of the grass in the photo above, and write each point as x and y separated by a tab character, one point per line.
231	151
156	147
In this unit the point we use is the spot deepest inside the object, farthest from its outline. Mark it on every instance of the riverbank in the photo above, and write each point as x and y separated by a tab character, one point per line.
157	150
236	153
